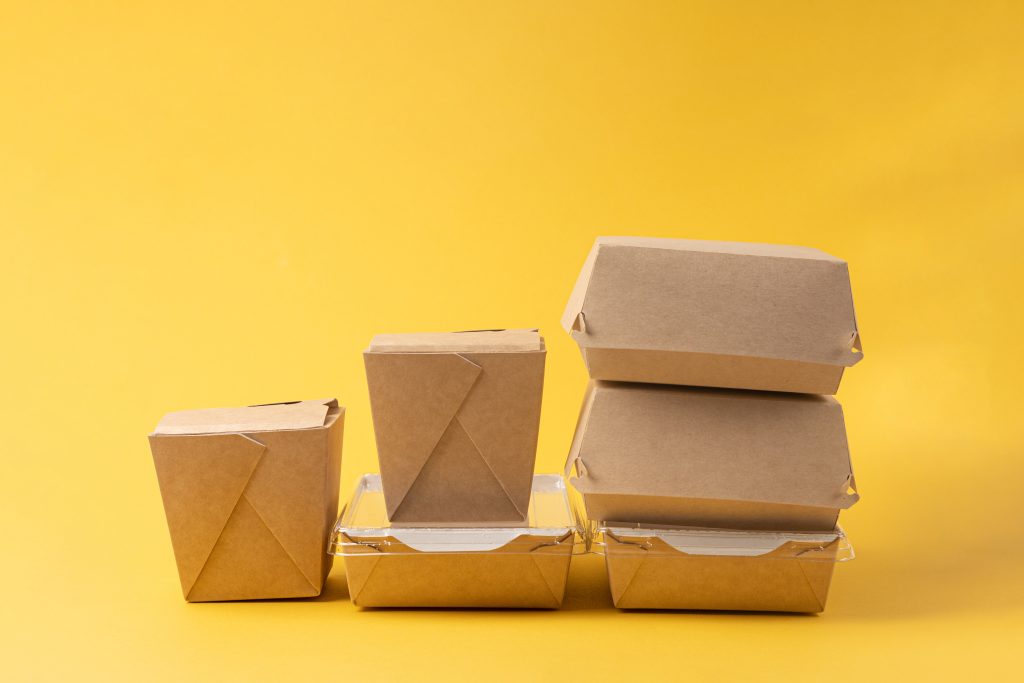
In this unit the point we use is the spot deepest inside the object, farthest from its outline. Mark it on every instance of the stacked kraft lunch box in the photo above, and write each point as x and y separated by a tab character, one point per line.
457	517
710	453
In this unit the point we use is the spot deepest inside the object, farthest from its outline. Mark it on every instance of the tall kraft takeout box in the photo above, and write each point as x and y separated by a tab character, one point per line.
251	495
456	417
719	314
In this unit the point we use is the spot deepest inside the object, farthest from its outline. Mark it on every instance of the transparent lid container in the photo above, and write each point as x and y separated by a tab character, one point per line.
693	541
553	519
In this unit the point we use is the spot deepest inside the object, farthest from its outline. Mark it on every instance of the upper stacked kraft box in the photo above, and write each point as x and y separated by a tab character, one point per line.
709	448
456	517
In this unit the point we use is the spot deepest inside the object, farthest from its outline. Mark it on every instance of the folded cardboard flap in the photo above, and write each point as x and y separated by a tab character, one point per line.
257	418
675	311
472	341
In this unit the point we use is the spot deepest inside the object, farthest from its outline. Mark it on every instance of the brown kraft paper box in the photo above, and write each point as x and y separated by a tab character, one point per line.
659	454
457	567
709	570
530	571
250	496
721	314
455	417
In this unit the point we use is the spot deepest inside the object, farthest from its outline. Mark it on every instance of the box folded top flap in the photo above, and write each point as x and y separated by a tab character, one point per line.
718	444
831	547
722	298
257	418
472	341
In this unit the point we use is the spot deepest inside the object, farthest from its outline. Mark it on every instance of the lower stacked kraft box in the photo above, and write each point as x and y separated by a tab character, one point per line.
457	517
710	454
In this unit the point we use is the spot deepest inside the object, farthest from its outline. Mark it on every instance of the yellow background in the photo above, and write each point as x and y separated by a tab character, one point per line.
218	205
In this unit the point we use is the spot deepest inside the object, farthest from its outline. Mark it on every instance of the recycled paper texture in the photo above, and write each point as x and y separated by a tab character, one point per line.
660	454
720	314
456	417
530	571
250	496
391	566
648	572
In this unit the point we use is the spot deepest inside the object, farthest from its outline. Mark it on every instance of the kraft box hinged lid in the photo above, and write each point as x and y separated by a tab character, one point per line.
724	314
711	457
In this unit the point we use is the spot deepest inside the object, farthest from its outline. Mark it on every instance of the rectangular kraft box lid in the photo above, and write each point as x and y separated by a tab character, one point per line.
660	440
723	298
474	341
258	418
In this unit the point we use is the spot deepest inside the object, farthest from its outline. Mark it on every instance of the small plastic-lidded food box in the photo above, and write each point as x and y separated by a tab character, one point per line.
711	569
523	566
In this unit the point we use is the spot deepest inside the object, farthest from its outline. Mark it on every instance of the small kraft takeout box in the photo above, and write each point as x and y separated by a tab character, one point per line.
660	454
712	569
250	496
457	567
455	416
719	314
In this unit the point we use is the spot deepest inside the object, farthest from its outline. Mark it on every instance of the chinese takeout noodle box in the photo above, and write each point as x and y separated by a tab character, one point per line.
250	496
662	454
456	417
391	566
711	569
720	314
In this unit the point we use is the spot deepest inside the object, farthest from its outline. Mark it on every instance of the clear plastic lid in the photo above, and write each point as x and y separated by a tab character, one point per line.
553	519
675	541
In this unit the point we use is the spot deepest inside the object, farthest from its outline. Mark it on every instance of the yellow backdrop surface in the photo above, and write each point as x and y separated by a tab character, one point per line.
208	204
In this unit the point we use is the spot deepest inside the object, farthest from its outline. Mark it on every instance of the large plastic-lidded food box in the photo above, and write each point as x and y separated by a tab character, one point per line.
524	566
712	569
